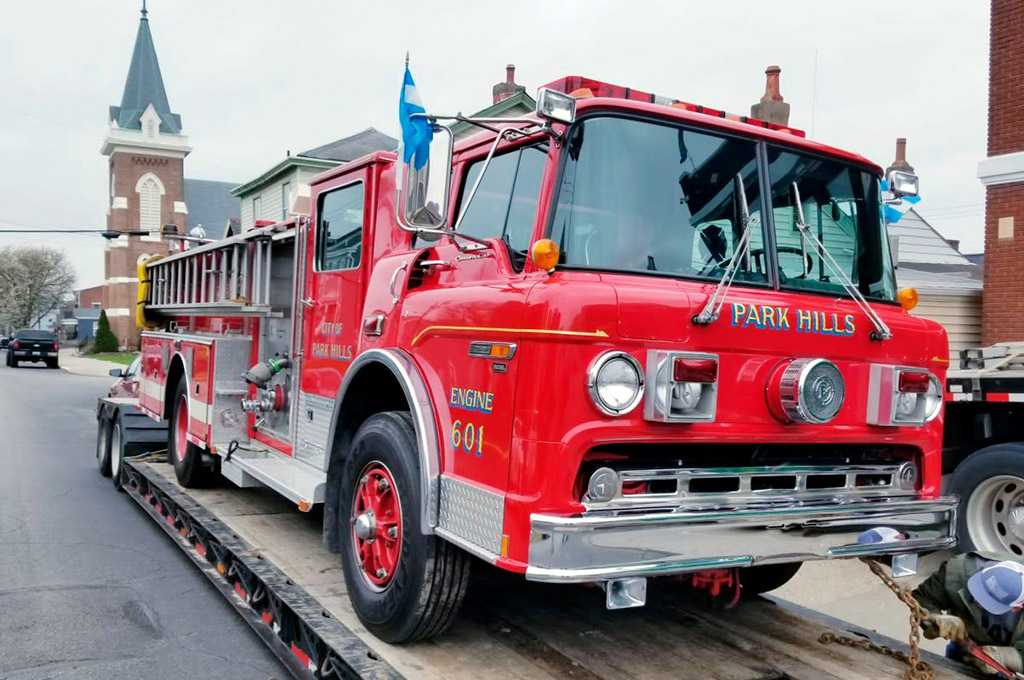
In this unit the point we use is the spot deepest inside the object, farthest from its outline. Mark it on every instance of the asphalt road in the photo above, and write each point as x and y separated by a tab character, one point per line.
89	586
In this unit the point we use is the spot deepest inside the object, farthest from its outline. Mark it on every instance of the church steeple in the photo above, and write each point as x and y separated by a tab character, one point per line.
144	86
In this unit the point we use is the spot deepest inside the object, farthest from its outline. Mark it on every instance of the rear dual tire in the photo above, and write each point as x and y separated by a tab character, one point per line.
404	585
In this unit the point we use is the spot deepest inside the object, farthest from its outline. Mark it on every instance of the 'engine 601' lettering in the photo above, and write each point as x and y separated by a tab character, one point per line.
471	400
766	317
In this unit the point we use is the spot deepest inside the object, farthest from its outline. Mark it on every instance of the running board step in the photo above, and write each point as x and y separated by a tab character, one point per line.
300	483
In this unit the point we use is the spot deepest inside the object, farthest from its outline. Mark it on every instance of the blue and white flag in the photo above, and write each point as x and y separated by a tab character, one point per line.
416	132
894	211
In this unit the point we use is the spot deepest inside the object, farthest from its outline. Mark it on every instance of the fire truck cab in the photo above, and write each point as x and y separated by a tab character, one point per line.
625	337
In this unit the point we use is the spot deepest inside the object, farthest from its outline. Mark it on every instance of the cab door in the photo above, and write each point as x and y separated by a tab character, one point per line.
331	300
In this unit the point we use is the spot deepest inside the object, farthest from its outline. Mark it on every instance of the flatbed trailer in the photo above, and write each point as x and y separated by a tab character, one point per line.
268	560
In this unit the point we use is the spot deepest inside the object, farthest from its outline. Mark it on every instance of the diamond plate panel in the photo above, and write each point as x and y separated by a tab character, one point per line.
472	513
314	425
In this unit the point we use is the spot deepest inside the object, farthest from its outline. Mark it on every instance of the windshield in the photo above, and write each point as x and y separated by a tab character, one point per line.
841	208
650	197
34	335
642	196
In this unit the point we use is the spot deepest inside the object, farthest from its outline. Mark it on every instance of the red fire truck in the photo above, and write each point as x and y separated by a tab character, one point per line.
622	338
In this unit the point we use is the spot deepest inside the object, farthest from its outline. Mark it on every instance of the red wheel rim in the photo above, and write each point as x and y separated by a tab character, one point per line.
377	525
181	429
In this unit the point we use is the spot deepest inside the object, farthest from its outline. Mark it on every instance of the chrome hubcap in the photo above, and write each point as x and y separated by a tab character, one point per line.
366	525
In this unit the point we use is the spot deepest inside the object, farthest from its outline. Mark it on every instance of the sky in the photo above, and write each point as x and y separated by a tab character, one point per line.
255	79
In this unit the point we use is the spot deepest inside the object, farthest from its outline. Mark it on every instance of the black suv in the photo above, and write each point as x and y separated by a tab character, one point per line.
28	345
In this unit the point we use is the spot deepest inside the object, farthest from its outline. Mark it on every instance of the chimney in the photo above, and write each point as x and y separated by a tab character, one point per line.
508	88
771	108
900	163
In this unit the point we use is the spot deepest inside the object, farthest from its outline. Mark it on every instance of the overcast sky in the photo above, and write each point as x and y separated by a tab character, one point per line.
254	79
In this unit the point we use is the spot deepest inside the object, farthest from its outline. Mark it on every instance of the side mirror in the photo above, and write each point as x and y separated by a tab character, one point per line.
422	194
894	249
902	183
116	372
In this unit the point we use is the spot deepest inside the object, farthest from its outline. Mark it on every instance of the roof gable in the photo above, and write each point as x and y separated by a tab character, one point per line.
919	242
211	205
354	146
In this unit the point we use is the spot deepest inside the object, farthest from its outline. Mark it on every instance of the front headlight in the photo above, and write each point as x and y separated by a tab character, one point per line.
616	383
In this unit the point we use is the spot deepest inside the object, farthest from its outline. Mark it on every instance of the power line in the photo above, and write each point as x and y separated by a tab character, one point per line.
53	231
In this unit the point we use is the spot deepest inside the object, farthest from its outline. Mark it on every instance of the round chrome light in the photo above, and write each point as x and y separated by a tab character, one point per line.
907	476
616	383
603	485
806	391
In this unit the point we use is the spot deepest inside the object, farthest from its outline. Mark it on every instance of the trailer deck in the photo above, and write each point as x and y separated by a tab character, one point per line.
258	549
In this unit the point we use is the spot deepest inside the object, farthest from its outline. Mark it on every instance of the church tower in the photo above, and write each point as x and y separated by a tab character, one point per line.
146	152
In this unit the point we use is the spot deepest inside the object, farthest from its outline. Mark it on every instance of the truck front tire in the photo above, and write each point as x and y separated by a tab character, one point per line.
990	484
186	457
767	577
403	585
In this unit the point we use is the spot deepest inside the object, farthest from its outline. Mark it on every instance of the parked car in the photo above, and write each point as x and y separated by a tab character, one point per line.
29	345
127	383
5	342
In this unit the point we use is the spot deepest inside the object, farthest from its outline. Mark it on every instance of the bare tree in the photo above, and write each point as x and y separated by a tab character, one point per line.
33	282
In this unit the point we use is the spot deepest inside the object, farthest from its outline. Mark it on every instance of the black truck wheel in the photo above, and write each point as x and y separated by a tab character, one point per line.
990	484
186	457
403	585
767	577
103	445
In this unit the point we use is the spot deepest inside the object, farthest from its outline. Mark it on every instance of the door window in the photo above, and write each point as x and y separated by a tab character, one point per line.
505	204
340	228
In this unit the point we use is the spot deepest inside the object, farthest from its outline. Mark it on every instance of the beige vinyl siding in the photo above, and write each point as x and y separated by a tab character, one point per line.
959	314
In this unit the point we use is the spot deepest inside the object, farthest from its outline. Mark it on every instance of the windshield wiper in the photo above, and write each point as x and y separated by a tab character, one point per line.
742	254
881	331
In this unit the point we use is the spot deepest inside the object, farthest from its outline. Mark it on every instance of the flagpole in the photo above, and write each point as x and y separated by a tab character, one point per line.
407	58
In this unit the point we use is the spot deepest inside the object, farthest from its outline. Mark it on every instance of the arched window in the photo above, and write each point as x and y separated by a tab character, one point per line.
149	204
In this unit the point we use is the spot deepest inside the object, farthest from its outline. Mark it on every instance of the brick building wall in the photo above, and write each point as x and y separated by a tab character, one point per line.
1003	175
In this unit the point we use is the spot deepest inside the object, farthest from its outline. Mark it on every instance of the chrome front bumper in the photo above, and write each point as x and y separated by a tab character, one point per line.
599	546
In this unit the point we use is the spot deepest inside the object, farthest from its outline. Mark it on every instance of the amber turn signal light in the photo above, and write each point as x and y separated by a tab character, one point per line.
545	254
908	298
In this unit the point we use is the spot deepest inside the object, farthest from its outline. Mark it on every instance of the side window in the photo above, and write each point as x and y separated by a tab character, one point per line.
340	228
505	204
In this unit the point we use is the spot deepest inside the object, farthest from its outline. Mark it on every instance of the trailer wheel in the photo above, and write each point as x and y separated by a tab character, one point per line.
990	484
103	445
403	585
186	457
116	452
766	577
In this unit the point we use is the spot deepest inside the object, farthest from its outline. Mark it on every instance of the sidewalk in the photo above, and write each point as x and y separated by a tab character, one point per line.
71	362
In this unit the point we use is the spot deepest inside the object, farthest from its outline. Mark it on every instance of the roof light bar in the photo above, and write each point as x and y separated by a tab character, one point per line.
583	87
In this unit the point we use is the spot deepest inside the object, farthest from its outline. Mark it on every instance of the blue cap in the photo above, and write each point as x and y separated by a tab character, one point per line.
998	588
880	535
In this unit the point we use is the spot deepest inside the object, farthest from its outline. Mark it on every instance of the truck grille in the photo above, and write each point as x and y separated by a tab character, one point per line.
714	488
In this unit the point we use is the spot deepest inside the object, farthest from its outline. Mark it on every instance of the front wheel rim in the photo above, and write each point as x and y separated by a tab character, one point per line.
377	526
995	514
181	429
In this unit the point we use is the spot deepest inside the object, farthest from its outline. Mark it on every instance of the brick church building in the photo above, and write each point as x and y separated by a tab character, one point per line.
148	190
